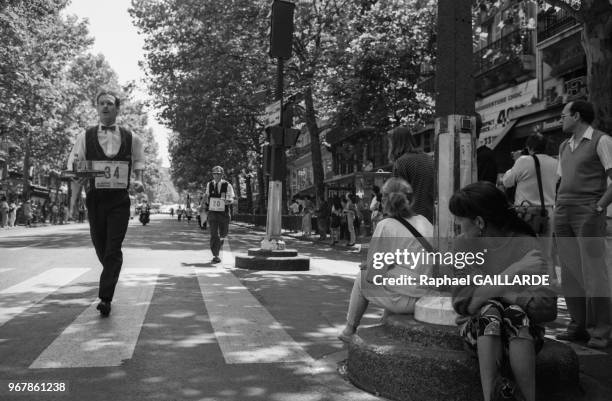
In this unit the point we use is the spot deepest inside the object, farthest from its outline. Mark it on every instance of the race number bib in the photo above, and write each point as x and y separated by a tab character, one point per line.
216	205
116	174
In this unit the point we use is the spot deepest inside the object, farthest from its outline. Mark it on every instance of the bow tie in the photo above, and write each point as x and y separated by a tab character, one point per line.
109	128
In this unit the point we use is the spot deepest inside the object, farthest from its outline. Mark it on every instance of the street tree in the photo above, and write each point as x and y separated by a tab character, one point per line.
596	19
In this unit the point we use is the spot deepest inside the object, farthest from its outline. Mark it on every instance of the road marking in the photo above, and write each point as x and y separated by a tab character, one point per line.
245	330
6	269
92	341
18	298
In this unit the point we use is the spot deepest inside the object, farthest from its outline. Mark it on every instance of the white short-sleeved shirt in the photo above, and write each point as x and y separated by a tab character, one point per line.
523	175
604	149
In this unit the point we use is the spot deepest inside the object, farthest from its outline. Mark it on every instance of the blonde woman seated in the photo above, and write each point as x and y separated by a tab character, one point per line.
390	235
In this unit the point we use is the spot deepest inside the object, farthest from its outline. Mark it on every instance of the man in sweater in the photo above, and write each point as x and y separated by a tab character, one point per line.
585	163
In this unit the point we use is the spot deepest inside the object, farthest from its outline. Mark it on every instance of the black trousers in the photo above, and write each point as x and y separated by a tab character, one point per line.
109	214
219	225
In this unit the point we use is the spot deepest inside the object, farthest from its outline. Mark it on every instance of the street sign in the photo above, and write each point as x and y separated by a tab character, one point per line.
272	115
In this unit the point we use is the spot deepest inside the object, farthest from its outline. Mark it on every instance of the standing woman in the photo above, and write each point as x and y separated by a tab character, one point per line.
335	219
350	212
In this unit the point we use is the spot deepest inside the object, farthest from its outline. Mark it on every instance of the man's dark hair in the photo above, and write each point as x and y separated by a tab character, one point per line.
109	93
586	110
402	142
537	142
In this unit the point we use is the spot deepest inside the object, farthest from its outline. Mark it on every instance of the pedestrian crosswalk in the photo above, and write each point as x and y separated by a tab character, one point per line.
20	297
245	331
93	342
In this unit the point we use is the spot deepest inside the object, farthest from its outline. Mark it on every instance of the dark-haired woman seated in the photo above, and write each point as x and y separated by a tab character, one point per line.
501	323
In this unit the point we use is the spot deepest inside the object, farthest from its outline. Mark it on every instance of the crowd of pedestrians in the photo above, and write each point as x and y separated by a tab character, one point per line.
558	211
30	212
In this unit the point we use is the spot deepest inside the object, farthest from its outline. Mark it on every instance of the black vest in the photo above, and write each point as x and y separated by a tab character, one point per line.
93	151
213	193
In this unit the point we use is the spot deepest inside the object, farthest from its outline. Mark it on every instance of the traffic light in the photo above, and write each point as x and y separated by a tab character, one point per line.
281	29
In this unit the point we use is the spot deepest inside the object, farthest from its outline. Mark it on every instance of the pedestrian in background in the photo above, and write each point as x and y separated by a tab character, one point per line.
12	214
376	207
219	196
349	211
416	168
108	202
585	164
4	209
485	158
523	176
27	213
335	219
203	211
323	214
307	210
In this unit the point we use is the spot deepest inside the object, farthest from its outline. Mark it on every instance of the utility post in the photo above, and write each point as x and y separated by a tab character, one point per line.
281	42
272	254
455	149
455	144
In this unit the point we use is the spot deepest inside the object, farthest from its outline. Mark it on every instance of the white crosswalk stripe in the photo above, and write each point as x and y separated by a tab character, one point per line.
94	342
18	298
245	330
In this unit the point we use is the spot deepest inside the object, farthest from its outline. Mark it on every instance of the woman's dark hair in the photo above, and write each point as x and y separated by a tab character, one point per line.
587	113
483	199
401	142
399	197
537	142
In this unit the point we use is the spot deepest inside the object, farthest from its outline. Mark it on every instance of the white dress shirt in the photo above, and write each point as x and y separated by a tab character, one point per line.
229	196
523	175
110	141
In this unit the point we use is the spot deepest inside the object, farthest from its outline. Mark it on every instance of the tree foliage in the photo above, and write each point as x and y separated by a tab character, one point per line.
596	19
48	83
205	64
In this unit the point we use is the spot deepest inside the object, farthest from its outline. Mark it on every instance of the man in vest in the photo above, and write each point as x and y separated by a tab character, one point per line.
585	163
116	151
220	195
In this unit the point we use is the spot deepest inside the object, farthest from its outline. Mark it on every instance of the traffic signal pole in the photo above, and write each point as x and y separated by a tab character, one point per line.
273	239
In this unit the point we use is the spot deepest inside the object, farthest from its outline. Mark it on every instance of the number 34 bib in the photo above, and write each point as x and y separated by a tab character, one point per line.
116	174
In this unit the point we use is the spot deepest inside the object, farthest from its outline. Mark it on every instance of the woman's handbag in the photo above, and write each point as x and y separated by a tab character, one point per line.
536	216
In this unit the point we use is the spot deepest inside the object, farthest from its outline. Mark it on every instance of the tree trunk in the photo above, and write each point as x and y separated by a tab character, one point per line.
26	168
597	43
261	183
249	194
315	146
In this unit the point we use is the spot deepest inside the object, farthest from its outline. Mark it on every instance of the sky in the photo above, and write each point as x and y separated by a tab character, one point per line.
117	39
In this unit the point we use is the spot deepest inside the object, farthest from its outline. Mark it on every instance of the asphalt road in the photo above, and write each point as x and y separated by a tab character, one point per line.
180	329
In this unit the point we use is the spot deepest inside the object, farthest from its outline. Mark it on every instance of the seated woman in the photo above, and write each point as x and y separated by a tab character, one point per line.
390	235
501	323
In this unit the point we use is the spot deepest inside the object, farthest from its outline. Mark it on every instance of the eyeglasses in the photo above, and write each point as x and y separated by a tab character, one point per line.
563	116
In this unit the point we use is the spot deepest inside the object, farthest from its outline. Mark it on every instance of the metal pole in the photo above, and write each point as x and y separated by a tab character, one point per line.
273	241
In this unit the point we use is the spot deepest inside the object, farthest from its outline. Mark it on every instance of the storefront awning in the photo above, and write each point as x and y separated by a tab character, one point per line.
503	133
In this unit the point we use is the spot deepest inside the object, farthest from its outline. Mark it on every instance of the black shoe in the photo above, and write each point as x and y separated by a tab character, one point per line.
574	335
216	259
104	307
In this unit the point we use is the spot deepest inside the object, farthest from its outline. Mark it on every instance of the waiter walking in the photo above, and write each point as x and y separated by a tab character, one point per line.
220	195
116	151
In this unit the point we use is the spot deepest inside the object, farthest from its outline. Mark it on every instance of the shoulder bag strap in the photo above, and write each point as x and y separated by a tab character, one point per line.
426	245
539	176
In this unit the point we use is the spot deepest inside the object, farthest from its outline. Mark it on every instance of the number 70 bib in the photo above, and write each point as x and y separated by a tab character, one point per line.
116	174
